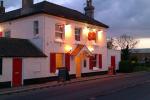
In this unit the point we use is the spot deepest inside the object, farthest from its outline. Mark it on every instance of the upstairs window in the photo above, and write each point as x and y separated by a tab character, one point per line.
77	34
1	63
7	34
36	28
59	31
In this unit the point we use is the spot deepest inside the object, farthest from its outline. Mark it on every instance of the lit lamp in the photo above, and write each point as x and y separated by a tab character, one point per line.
91	48
100	35
68	31
68	48
85	32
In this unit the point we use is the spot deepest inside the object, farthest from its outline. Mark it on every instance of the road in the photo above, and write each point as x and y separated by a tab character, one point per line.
101	89
139	92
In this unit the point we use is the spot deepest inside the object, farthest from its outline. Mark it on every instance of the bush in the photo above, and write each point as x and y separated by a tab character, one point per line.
126	66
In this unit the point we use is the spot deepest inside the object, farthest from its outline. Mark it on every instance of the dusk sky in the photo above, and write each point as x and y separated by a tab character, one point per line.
123	16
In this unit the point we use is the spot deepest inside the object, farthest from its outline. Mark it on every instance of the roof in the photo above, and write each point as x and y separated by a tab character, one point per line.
51	9
146	50
77	50
12	47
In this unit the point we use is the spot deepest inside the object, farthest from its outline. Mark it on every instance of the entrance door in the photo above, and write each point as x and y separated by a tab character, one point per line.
78	66
17	72
113	61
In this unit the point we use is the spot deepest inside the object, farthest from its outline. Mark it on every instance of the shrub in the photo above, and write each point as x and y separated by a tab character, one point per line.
126	66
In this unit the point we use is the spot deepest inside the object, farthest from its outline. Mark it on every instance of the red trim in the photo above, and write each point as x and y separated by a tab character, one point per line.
17	72
67	61
52	62
100	61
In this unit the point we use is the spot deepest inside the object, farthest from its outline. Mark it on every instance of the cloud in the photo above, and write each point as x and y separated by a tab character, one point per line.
123	16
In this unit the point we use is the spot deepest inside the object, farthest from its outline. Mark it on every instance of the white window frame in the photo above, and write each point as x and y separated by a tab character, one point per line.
78	34
59	33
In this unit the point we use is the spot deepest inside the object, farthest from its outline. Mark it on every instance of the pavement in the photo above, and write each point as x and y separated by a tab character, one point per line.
73	81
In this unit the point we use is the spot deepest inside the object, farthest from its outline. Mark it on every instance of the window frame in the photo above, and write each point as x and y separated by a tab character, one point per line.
77	33
59	33
95	60
36	27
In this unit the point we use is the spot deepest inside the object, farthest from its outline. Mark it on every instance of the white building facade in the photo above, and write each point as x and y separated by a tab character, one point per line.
79	45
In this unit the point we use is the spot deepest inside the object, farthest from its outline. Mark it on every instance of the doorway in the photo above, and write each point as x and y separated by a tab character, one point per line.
78	66
17	72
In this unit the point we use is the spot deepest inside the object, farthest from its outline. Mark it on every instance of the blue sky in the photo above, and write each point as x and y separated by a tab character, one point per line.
123	16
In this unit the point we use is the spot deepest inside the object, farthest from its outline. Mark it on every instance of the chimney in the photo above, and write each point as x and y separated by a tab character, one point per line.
2	8
89	9
27	3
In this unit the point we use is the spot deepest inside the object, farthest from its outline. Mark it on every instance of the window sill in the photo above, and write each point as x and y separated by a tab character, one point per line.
96	69
59	41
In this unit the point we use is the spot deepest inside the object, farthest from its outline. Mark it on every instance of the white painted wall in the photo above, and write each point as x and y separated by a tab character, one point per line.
117	55
35	68
6	70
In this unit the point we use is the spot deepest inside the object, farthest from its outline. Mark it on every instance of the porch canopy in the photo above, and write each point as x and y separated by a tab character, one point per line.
12	47
81	48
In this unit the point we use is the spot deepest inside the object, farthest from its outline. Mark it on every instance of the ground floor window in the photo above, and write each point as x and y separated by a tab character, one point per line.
59	60
94	60
1	63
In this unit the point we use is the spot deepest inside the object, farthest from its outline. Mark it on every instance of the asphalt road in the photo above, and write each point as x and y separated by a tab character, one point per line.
101	89
139	92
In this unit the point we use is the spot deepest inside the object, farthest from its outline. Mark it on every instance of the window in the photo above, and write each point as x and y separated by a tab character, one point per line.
94	60
7	34
77	34
59	31
1	63
59	60
84	62
36	27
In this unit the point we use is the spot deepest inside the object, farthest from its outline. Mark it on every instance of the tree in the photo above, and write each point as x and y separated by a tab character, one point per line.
125	43
125	40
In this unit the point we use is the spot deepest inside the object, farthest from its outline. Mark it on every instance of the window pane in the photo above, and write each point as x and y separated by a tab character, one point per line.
59	31
36	27
77	34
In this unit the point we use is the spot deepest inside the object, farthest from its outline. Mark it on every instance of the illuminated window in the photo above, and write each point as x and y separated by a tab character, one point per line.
1	63
78	34
7	34
36	27
59	60
59	31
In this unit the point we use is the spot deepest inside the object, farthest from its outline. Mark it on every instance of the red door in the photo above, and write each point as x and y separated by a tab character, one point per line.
113	61
17	72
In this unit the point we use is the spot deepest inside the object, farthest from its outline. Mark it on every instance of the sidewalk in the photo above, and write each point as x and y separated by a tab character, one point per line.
55	83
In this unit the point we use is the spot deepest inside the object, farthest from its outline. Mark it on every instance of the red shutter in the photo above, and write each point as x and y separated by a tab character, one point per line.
1	34
52	62
100	61
67	61
91	63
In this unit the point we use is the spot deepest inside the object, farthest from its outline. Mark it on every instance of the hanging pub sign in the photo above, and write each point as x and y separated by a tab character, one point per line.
91	36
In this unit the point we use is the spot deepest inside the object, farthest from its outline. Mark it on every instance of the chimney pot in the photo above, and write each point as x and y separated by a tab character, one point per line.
2	8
